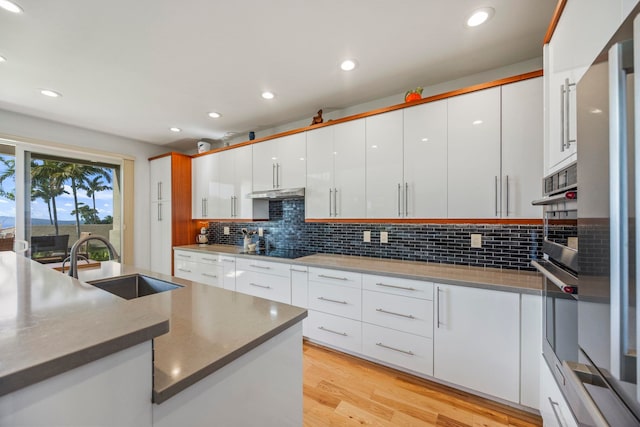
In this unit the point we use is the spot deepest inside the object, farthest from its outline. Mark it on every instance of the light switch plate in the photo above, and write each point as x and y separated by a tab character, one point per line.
476	240
226	231
384	237
260	231
366	236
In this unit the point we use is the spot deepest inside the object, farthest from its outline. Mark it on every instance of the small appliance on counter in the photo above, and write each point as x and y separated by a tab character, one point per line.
202	238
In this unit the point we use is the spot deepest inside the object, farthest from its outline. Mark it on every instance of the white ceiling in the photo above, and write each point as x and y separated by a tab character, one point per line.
135	68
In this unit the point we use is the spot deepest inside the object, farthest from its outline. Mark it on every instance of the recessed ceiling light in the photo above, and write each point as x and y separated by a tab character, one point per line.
480	16
50	93
425	139
3	59
596	111
477	122
268	95
175	129
214	115
348	64
10	6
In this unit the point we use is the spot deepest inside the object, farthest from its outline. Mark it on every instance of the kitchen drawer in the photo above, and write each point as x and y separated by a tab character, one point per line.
396	286
185	269
398	348
335	331
398	312
262	267
299	285
267	286
337	277
184	255
206	258
209	275
336	299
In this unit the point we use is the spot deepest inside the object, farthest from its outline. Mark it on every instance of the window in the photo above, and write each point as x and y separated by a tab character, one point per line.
7	196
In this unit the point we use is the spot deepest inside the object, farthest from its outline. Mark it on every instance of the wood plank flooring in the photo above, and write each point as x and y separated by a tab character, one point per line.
341	390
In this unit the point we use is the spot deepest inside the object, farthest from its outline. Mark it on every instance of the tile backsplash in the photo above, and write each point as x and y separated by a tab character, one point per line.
503	246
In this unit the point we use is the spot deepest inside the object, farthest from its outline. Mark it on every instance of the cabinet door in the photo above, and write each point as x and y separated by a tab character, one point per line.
522	148
291	163
160	237
474	155
228	272
225	182
319	172
349	168
160	179
243	184
477	340
204	171
384	185
425	160
265	156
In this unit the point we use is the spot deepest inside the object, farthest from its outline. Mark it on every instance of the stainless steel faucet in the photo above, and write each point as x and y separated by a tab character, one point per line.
73	263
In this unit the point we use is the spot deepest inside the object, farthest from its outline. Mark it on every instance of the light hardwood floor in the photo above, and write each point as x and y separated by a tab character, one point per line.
341	390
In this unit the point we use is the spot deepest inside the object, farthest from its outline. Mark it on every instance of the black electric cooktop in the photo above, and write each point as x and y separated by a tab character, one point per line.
281	253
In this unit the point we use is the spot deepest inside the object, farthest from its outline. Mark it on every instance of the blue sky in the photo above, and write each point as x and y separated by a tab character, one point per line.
64	203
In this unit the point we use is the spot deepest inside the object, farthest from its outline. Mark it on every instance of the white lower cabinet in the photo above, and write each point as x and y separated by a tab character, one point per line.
477	340
228	272
198	267
300	290
554	409
335	331
264	279
335	299
397	348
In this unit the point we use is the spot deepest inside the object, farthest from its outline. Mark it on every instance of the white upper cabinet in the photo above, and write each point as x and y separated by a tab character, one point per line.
522	137
425	160
160	179
582	32
474	155
384	158
280	163
336	171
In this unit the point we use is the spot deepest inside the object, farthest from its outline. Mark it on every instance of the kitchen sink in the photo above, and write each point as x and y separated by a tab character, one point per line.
134	286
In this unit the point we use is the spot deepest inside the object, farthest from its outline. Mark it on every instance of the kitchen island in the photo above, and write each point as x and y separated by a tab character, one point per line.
73	354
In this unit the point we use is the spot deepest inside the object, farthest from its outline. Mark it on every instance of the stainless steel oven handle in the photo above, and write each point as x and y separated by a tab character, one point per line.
550	276
555	412
562	121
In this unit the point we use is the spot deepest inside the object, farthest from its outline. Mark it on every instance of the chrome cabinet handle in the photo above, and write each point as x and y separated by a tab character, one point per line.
568	140
184	256
330	199
344	334
159	190
438	307
332	277
562	118
260	266
410	353
210	275
231	199
159	211
496	193
406	199
507	195
408	316
332	300
273	175
228	260
277	175
298	271
235	206
202	206
184	270
260	286
210	259
396	287
335	202
399	202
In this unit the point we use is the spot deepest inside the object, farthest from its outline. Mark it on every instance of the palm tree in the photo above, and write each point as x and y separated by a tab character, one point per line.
8	172
94	186
47	183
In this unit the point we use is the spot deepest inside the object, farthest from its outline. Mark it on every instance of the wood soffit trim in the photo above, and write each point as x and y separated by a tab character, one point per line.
502	221
445	95
554	20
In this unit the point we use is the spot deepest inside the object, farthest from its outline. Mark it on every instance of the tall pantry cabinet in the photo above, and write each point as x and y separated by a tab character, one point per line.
170	209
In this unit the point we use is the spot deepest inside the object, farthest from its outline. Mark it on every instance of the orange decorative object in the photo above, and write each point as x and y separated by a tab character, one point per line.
412	97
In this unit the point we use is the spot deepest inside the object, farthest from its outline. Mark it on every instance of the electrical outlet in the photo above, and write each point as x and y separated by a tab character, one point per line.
366	237
384	237
260	231
476	240
226	231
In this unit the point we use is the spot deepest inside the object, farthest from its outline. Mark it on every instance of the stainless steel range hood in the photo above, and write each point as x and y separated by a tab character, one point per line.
280	193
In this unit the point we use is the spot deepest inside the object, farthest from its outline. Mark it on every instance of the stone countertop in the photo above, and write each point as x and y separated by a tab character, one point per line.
528	282
51	323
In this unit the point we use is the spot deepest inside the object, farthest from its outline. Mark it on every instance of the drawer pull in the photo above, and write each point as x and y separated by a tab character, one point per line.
260	266
298	271
210	259
408	316
184	256
344	334
410	353
260	286
396	287
332	300
210	275
184	270
228	260
332	277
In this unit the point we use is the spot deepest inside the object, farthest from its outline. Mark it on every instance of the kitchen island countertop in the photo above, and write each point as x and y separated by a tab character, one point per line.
528	282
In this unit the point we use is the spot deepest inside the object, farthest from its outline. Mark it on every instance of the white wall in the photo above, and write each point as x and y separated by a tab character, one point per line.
23	126
487	76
